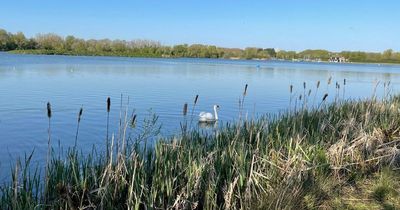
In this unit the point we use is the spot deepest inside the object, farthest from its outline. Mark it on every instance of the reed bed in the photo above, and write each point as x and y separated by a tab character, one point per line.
304	158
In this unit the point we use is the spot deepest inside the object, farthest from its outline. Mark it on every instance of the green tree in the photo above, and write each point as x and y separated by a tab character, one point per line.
69	41
20	41
79	47
387	54
180	50
6	41
271	52
50	41
315	54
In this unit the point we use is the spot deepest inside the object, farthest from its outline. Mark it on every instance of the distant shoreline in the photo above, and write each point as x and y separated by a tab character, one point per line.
40	52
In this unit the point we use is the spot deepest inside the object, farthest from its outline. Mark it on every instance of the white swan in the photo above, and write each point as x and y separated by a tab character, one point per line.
208	117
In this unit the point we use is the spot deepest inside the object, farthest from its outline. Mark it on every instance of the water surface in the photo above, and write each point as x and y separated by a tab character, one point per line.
28	82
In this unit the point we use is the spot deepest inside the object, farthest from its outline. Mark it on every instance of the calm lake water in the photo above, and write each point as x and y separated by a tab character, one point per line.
28	82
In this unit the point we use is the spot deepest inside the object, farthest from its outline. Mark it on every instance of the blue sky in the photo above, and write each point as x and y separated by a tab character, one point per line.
292	25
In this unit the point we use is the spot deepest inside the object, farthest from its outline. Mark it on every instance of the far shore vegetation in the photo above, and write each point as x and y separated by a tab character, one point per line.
53	44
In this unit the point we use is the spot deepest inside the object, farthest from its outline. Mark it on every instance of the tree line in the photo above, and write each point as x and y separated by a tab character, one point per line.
51	43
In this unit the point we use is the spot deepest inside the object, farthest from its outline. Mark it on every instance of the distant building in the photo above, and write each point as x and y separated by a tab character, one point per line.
337	59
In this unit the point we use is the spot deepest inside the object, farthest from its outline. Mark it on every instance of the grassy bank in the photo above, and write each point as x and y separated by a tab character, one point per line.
342	155
72	53
152	55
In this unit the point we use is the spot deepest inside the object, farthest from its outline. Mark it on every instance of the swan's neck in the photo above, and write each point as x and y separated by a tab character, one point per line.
215	113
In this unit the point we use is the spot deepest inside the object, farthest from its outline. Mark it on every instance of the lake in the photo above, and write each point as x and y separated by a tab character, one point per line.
159	86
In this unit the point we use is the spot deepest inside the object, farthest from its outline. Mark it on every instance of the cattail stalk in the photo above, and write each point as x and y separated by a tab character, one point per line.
108	123
325	96
316	91
133	121
328	83
192	113
185	108
323	99
336	91
290	97
307	98
241	103
304	94
344	86
77	128
49	114
184	112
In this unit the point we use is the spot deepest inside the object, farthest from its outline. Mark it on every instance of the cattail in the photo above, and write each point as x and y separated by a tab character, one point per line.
77	128
108	123
108	104
309	92
388	83
194	105
329	80
300	97
48	110
304	85
325	96
344	81
318	83
80	114
291	88
337	85
245	90
133	121
48	147
185	107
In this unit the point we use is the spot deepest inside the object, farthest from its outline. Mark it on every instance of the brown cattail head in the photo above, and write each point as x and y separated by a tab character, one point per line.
344	81
185	108
80	114
133	121
309	92
318	83
325	96
300	97
337	85
195	99
304	85
291	88
329	80
108	104
245	90
48	110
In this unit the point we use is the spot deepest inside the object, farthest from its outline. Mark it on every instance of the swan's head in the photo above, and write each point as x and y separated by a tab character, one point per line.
216	106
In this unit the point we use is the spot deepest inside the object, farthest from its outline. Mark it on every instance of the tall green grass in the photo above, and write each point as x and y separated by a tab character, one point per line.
298	159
